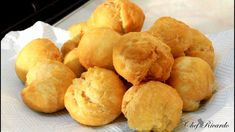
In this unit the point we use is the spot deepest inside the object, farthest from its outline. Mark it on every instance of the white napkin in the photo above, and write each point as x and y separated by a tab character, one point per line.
16	116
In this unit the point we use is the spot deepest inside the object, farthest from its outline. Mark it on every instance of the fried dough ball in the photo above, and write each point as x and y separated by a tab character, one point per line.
35	51
70	44
96	48
139	57
183	40
95	98
193	79
201	47
46	85
152	106
174	33
72	61
78	29
122	16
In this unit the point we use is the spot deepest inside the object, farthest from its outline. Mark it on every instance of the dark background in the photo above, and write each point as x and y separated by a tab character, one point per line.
21	14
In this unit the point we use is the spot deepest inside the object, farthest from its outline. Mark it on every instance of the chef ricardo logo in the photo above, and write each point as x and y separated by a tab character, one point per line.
205	124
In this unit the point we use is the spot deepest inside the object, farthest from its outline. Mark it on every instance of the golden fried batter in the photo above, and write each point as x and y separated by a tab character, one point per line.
72	61
193	79
174	33
183	40
70	44
201	47
152	106
35	51
46	85
95	98
96	48
122	16
78	29
139	57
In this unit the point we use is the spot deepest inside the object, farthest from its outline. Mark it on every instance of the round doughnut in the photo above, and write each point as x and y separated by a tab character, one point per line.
139	56
183	40
152	106
96	48
122	16
193	79
46	85
95	98
201	47
35	51
174	33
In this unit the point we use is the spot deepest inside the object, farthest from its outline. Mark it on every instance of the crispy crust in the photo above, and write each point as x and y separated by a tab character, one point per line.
35	51
122	16
72	61
174	33
139	57
78	29
193	78
201	47
183	40
95	98
46	85
96	47
152	106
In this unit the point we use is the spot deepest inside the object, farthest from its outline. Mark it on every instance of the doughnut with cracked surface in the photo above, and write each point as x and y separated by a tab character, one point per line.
140	57
123	16
46	85
193	79
183	40
152	106
35	51
95	98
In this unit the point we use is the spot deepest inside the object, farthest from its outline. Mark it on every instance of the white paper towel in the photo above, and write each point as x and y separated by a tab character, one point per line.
17	117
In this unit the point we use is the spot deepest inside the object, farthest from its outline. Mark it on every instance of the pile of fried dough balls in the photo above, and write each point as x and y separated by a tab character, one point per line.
169	66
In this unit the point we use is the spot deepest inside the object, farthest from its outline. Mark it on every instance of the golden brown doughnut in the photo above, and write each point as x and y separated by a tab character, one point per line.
72	61
193	79
139	56
201	47
122	16
46	85
174	33
183	40
35	51
95	98
152	106
96	48
70	44
78	29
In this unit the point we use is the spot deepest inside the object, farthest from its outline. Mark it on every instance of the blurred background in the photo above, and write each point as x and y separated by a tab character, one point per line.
21	14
